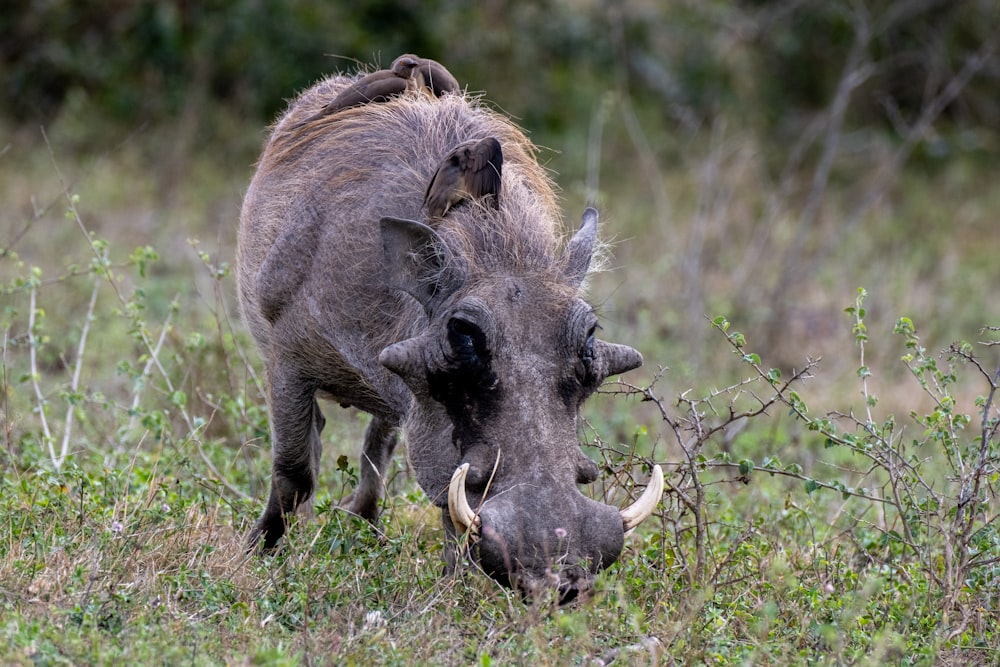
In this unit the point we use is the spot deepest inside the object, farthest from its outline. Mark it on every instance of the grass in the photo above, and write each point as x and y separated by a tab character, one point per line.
143	564
768	548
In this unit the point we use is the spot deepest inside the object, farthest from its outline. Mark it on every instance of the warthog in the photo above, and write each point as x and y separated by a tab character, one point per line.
468	332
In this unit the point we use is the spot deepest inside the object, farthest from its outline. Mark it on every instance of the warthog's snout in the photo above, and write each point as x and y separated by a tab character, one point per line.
544	534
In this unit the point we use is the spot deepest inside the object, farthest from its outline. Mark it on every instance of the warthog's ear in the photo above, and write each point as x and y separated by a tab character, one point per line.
419	262
580	248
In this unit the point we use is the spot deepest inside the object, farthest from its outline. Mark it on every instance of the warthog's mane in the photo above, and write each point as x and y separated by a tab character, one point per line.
401	143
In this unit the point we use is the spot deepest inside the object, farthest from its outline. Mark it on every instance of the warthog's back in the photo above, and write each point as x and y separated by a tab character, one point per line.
311	214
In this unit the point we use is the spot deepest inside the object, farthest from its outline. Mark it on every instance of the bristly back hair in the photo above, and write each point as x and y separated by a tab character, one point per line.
523	234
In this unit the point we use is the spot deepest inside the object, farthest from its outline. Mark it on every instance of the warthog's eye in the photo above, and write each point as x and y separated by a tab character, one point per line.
587	354
468	343
464	380
585	368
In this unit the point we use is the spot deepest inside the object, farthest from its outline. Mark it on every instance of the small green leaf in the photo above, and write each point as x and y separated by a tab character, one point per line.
904	325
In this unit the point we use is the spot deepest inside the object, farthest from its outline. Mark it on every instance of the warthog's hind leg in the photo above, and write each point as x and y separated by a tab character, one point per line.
380	441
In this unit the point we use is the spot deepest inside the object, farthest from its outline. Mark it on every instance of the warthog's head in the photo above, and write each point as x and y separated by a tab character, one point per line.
498	377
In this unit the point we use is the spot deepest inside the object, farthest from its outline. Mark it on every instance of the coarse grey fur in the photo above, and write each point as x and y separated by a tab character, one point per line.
469	334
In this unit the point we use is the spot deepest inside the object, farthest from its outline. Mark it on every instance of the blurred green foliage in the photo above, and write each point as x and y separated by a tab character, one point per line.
772	61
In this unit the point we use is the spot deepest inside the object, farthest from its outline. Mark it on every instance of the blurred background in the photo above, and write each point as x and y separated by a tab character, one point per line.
758	159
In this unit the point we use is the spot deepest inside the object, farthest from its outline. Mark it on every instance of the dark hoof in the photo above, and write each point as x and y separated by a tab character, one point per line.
265	534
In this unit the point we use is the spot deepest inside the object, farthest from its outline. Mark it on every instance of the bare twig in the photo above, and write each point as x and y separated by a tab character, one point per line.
8	425
33	356
915	133
146	369
650	165
805	478
857	69
74	385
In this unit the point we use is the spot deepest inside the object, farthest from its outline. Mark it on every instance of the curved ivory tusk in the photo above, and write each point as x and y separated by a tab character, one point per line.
640	510
462	516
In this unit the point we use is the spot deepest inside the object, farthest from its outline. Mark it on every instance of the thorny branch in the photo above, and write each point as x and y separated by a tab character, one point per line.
698	421
916	501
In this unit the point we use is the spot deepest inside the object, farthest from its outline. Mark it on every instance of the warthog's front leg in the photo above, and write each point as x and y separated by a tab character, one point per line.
296	423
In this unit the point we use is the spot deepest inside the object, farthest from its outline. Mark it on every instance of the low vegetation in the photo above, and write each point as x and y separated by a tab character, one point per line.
814	296
135	457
